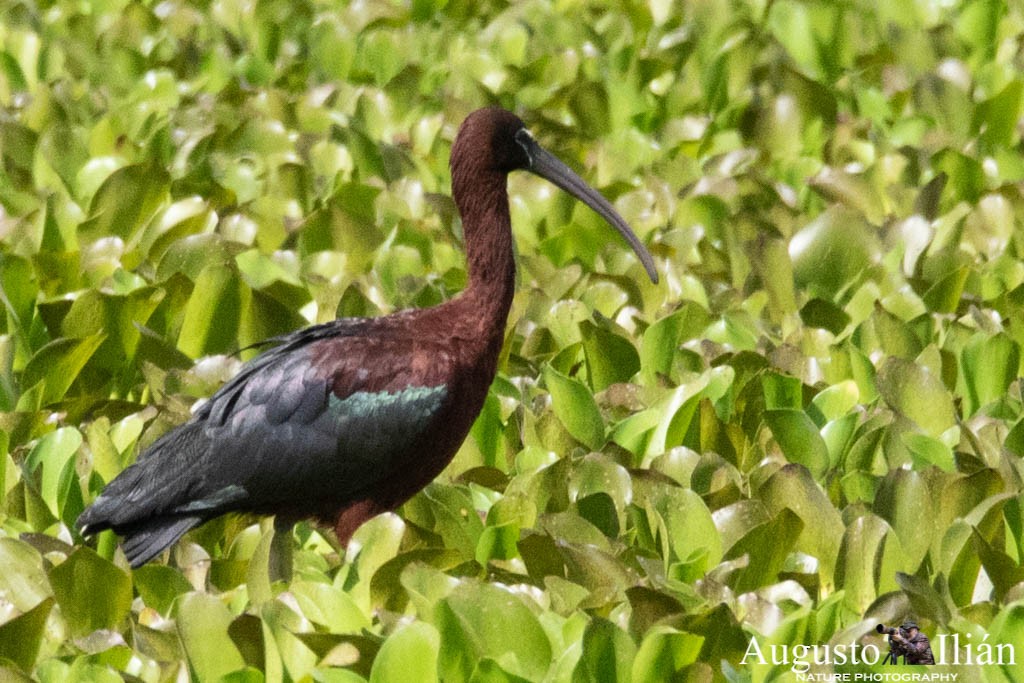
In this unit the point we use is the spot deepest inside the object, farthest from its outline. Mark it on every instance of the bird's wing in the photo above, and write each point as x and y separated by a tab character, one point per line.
309	423
323	422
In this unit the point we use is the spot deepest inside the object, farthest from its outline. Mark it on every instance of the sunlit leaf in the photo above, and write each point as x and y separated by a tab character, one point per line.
22	579
765	561
125	201
869	557
159	585
917	393
792	488
21	637
811	424
799	438
575	407
213	328
610	357
663	651
474	622
608	653
202	623
832	251
91	592
58	363
990	364
661	340
903	500
408	654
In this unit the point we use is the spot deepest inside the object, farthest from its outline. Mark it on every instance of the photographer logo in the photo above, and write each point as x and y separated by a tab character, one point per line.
905	644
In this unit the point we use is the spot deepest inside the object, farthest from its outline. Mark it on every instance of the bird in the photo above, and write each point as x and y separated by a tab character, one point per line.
345	420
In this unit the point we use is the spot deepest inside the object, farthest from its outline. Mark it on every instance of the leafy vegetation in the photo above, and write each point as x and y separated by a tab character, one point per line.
813	424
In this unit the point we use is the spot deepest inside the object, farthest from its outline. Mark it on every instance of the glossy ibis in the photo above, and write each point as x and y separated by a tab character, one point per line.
348	419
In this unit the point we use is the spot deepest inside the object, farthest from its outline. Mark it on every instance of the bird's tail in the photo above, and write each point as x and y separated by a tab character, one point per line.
143	539
148	539
141	503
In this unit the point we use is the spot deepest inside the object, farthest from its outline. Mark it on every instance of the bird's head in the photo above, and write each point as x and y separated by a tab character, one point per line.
487	142
494	141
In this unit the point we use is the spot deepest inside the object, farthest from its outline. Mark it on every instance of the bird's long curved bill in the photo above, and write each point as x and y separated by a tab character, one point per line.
548	166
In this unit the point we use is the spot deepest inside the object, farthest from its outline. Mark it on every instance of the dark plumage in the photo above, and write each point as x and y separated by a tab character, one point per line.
345	420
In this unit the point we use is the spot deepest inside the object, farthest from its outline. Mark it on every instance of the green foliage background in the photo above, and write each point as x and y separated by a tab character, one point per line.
812	425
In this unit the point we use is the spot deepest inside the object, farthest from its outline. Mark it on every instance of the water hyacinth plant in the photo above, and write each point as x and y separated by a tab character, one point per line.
812	425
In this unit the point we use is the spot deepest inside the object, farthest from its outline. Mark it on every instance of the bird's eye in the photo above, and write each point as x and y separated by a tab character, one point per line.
525	141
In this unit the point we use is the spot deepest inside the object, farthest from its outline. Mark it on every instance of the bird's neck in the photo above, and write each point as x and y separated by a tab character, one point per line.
487	230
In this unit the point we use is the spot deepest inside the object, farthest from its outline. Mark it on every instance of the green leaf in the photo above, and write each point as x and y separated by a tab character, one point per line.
21	637
978	24
773	265
689	525
799	439
185	217
996	118
381	53
928	451
158	585
999	567
825	315
660	345
445	510
1008	627
126	201
782	392
765	560
904	499
945	295
54	458
18	290
604	575
575	408
966	175
894	336
869	557
389	584
327	605
474	622
854	191
213	313
925	600
792	488
488	432
610	357
832	251
838	400
838	435
664	651
608	653
59	363
332	47
192	255
735	521
203	623
990	365
115	315
409	654
286	654
918	394
22	577
498	542
92	593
